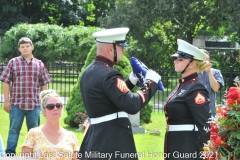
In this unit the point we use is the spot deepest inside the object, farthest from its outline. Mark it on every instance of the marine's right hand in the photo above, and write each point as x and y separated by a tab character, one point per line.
152	75
7	106
141	71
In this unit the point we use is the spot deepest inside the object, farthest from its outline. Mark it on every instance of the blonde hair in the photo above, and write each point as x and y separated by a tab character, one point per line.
45	95
201	65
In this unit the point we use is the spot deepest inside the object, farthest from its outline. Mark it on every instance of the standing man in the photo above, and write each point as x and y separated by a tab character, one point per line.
108	100
213	80
24	78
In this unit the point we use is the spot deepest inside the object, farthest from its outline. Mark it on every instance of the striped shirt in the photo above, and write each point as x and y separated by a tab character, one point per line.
26	81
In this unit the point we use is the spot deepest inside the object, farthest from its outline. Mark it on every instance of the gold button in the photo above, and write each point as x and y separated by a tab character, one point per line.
182	80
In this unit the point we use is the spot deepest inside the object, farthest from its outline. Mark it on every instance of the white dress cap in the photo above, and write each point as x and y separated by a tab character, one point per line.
114	35
186	50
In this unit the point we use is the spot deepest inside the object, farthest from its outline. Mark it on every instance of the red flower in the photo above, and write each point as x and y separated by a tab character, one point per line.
230	102
213	135
233	93
218	141
214	128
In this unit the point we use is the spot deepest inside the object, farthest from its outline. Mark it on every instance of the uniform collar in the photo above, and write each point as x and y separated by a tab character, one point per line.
105	60
188	78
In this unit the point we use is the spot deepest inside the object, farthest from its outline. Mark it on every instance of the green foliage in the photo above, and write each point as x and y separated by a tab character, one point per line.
51	42
157	24
93	10
10	14
145	113
154	26
59	12
223	59
75	103
233	134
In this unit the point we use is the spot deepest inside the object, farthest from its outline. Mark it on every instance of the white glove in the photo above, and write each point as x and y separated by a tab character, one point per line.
133	78
152	75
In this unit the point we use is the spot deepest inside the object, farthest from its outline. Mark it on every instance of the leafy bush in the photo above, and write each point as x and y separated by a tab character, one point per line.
51	42
75	103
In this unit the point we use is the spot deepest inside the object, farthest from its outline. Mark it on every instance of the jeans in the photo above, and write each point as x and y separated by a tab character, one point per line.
16	116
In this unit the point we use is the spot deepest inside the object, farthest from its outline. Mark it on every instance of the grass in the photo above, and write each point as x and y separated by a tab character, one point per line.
149	147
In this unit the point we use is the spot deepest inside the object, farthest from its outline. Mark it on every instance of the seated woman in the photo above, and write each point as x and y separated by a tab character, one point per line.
50	141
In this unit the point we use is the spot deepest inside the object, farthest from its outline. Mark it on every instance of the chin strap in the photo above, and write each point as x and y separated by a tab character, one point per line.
187	66
115	52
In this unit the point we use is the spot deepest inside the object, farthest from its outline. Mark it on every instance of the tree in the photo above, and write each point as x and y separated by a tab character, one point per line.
157	24
10	14
136	15
94	9
59	12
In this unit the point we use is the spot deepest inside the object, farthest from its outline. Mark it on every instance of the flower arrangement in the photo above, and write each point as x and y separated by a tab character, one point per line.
224	140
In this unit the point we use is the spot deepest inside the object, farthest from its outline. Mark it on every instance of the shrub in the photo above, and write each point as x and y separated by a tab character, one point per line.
51	42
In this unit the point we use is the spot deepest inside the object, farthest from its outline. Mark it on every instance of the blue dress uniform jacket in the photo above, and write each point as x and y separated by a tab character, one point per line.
187	104
104	92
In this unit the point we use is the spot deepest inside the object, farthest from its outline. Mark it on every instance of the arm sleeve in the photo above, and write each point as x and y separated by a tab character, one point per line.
198	104
45	76
218	76
118	92
6	75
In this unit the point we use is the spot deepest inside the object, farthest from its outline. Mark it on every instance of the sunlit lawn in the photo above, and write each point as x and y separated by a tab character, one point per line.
149	147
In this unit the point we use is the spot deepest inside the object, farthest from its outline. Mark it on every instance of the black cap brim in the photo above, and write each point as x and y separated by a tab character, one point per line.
180	54
123	44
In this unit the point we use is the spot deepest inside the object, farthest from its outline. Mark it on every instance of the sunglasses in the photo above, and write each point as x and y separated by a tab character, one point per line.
51	106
